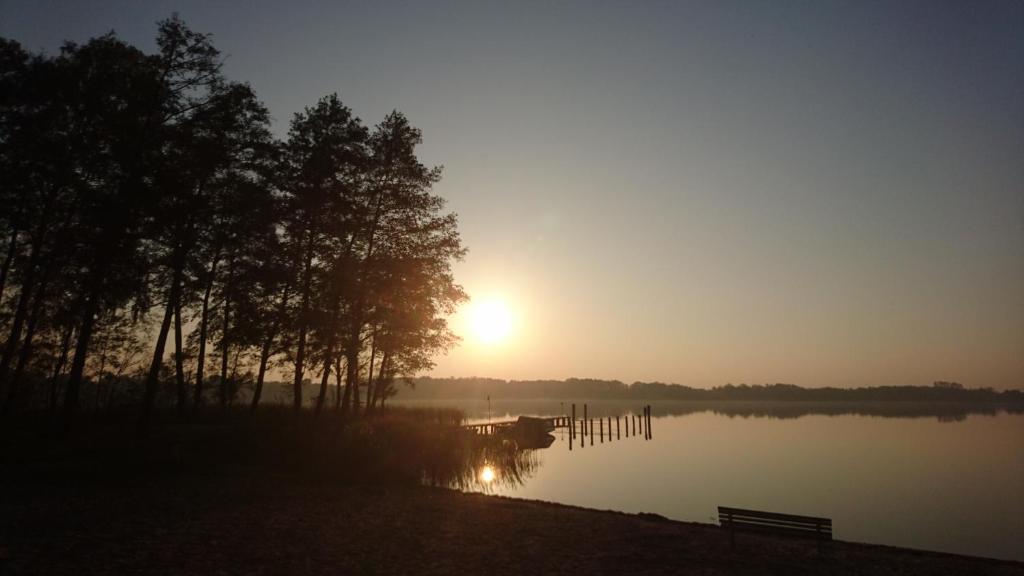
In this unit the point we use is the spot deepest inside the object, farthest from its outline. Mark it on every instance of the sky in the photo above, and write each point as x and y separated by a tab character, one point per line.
820	193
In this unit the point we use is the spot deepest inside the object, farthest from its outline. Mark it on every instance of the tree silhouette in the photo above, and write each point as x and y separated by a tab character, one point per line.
145	200
322	165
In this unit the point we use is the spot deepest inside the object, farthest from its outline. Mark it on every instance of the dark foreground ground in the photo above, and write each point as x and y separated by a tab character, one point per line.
237	525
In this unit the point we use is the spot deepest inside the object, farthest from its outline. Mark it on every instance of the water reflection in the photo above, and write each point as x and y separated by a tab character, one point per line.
487	474
502	458
946	412
484	463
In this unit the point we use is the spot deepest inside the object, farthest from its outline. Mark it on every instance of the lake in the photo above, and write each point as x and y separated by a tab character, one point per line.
936	478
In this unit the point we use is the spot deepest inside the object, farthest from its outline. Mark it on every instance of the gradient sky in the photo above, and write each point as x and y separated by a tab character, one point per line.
822	193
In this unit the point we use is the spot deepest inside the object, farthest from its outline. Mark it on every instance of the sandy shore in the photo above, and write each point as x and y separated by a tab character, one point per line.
245	526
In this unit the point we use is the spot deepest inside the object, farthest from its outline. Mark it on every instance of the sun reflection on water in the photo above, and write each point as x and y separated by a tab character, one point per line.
487	474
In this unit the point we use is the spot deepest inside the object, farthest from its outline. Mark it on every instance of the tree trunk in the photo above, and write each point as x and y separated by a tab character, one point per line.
20	312
328	355
152	378
59	368
26	347
385	362
12	249
264	357
338	381
369	372
225	343
322	397
384	380
99	379
268	344
355	394
300	352
204	320
351	376
233	377
74	384
179	362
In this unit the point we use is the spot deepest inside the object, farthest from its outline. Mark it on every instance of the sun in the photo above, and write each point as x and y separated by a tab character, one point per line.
492	322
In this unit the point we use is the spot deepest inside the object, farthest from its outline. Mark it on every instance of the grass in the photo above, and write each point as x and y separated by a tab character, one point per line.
393	445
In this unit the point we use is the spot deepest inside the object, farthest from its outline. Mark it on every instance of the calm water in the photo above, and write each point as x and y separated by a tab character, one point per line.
942	482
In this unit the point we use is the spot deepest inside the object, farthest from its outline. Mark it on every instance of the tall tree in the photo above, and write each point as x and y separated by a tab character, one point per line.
216	133
321	172
112	95
404	235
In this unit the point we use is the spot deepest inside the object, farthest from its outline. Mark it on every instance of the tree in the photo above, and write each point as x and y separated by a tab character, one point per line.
321	173
406	245
143	187
110	95
216	138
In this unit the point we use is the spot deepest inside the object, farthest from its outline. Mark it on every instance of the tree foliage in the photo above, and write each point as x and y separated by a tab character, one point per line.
160	247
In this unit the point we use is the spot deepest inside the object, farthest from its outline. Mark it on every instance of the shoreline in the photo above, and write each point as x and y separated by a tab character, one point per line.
281	525
654	517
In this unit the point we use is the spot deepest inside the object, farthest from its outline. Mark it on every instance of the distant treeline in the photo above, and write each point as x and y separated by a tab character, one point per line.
583	389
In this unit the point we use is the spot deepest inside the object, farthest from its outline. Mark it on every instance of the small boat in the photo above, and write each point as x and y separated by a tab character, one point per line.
530	432
534	425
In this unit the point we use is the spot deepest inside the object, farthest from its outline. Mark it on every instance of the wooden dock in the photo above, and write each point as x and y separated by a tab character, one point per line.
636	424
488	428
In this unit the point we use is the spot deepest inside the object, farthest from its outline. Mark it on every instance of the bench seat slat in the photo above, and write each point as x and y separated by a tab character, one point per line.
780	523
723	510
811	522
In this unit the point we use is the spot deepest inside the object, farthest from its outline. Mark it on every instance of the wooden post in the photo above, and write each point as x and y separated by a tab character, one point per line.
591	431
732	530
618	429
572	434
585	419
600	426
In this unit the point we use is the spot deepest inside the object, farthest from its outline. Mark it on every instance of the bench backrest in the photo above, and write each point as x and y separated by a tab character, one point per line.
775	523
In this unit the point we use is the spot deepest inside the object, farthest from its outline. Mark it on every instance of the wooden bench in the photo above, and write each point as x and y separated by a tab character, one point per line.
737	519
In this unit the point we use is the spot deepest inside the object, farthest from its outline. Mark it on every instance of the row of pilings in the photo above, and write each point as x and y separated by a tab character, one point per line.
580	429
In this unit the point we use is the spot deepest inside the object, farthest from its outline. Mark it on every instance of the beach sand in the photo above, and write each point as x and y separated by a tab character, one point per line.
239	525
